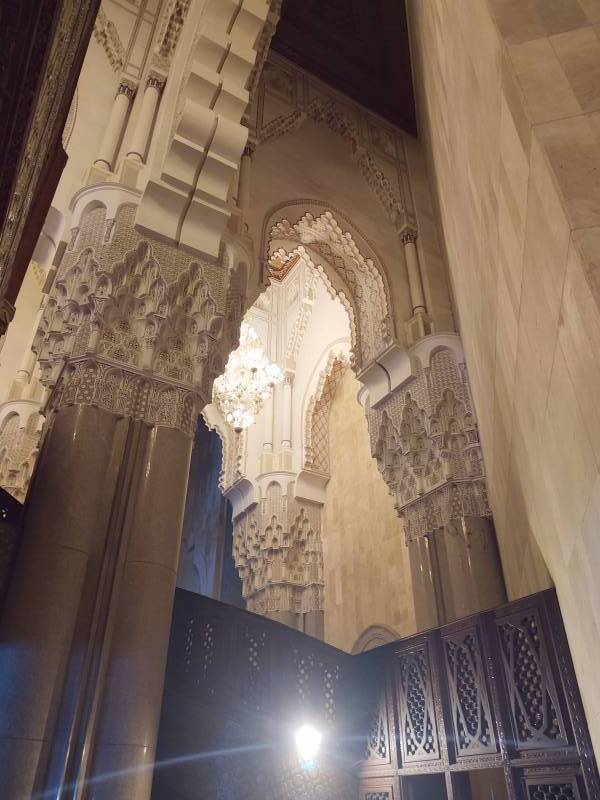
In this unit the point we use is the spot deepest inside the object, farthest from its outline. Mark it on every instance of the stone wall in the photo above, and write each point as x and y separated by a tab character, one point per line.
367	574
508	96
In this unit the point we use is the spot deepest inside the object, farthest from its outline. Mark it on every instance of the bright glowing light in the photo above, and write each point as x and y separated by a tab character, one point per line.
247	382
308	741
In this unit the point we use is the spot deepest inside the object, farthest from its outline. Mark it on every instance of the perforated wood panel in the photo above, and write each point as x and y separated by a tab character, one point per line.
495	691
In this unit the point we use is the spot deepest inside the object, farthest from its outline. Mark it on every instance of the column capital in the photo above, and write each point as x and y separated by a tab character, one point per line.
156	80
131	357
249	149
408	236
127	87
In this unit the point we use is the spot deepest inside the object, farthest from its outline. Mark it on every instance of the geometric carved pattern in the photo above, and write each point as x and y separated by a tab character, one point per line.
397	204
32	133
377	743
534	702
553	791
471	714
200	655
299	783
278	552
174	15
316	445
426	444
418	729
299	678
18	450
121	391
316	683
364	279
107	36
254	674
143	313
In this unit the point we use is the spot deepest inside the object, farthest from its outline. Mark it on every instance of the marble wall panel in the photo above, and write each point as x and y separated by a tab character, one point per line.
526	277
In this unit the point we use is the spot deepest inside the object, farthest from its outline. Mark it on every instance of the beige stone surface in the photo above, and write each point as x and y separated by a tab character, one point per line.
367	571
507	92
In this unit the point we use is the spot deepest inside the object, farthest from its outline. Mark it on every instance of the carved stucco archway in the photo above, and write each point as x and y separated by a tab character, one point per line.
346	260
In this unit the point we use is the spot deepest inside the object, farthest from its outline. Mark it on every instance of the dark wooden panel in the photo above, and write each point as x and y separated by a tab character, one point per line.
494	691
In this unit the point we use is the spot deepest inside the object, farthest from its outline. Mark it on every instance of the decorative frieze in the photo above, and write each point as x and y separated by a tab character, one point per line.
169	31
107	36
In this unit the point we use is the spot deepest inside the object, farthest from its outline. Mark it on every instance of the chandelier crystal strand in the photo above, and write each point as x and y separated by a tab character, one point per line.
247	381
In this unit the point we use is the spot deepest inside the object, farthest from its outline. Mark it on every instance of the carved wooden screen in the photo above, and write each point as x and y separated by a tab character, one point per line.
533	697
237	688
468	694
494	691
419	706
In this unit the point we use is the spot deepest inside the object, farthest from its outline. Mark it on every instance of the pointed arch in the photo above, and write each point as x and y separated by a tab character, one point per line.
346	260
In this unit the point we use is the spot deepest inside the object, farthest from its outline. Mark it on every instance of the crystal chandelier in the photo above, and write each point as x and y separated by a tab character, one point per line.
247	381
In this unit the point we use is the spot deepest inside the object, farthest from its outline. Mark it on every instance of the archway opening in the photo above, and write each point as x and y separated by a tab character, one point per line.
303	536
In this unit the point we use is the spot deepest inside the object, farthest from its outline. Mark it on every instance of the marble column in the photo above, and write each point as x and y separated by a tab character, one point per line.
129	712
86	626
21	388
286	427
48	610
116	125
429	612
470	572
415	284
266	457
289	618
314	624
140	139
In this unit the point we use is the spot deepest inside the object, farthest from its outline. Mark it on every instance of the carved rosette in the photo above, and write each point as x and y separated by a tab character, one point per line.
278	553
425	439
135	326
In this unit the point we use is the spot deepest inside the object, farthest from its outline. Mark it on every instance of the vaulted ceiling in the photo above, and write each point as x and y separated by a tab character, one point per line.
358	46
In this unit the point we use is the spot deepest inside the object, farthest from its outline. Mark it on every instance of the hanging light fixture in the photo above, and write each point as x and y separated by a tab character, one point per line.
247	381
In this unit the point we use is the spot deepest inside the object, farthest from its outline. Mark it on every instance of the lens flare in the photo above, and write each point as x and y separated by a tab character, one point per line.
308	741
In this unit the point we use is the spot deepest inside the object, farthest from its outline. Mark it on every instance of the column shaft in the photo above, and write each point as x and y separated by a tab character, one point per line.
266	457
470	572
46	618
286	434
125	744
86	626
423	570
415	284
116	125
140	140
244	179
